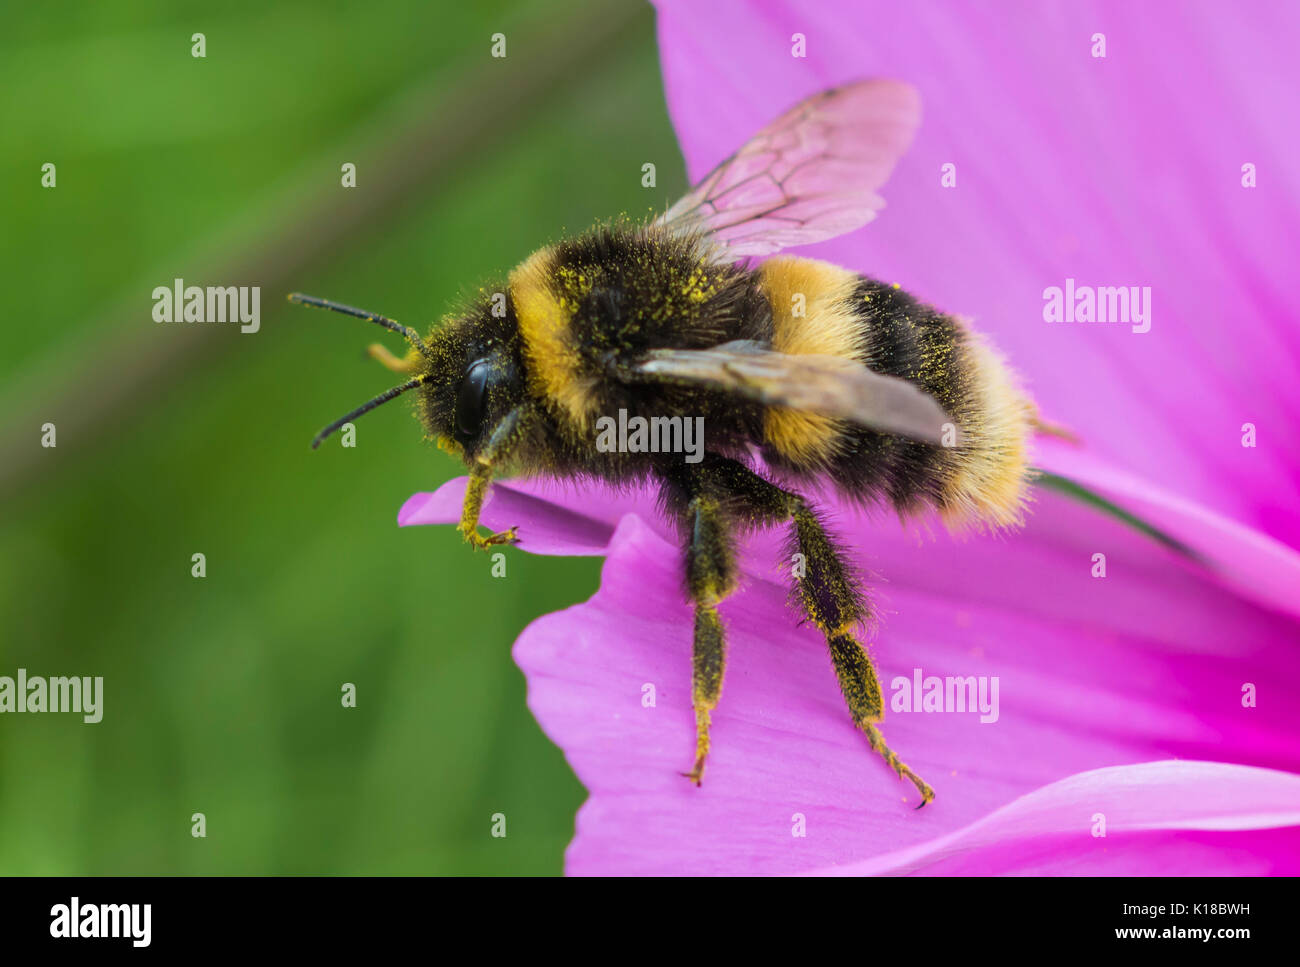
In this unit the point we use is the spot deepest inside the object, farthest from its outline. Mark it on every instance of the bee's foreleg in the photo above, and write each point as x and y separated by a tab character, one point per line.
480	478
710	577
829	592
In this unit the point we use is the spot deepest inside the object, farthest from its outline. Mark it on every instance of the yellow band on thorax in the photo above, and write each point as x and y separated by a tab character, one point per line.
545	318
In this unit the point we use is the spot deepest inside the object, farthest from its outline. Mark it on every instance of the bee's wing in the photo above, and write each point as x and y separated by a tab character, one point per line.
827	385
810	175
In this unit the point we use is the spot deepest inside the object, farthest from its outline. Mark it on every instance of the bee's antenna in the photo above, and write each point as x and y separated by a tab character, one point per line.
410	335
364	408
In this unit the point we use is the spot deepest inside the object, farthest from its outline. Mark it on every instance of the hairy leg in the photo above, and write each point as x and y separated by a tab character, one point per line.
829	592
691	497
480	478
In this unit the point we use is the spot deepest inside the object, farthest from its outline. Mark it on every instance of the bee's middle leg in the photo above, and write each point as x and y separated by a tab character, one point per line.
710	577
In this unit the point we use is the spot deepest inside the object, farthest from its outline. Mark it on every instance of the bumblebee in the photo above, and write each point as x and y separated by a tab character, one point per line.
804	374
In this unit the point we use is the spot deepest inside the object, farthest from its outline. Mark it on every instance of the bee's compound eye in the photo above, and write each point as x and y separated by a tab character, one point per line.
469	405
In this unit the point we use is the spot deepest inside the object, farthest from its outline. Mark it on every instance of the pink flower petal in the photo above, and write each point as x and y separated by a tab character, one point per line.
1255	565
1054	829
1145	664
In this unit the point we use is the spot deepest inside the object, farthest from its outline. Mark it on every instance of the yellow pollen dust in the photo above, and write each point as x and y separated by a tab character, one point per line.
698	288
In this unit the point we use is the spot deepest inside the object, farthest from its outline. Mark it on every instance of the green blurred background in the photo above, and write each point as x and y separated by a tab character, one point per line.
222	694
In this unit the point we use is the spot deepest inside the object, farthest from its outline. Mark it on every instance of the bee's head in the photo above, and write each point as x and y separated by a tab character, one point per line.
474	376
468	373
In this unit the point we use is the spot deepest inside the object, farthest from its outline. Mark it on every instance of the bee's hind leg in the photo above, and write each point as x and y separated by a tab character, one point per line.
690	495
830	593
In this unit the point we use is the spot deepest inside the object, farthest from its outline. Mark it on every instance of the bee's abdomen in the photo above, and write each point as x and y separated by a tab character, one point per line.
981	480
